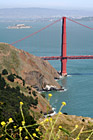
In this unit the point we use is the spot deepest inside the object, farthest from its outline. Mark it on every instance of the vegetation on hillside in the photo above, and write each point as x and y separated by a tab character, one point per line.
10	98
16	123
52	128
9	58
36	72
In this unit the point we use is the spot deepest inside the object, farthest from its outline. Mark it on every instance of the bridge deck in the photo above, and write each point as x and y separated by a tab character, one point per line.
68	57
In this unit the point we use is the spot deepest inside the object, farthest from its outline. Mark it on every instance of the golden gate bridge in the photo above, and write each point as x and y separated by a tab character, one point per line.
63	57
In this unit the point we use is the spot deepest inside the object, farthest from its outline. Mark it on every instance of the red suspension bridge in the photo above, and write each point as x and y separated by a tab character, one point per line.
63	56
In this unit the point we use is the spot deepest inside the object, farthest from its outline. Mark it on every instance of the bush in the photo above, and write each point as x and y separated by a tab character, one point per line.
19	77
2	82
23	82
34	93
18	89
11	77
16	128
4	72
35	102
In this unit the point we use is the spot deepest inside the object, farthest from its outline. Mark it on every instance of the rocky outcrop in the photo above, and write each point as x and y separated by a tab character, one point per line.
52	88
36	72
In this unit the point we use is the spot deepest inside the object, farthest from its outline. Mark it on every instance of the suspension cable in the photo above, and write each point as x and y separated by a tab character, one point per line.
79	23
36	32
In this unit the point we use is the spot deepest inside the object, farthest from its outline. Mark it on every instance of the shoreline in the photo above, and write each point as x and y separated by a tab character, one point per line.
50	113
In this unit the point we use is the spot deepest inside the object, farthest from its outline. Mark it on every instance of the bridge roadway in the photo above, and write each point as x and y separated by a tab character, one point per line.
68	57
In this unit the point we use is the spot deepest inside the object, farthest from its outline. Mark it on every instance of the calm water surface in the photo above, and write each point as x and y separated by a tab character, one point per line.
79	83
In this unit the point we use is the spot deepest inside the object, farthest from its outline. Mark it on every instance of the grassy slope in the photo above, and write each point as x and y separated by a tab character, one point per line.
27	90
9	61
68	123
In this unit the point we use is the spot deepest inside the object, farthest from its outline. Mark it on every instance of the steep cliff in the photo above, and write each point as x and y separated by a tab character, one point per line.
36	72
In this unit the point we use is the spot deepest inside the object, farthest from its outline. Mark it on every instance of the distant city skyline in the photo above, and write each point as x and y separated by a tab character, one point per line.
55	4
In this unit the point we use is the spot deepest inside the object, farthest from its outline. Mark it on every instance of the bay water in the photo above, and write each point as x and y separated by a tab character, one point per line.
78	85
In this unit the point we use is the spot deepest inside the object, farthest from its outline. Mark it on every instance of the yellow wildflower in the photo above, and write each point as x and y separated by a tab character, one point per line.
60	113
46	120
63	103
10	120
15	127
23	122
87	139
6	139
37	129
51	119
20	128
26	137
21	103
76	126
34	134
50	95
3	123
60	126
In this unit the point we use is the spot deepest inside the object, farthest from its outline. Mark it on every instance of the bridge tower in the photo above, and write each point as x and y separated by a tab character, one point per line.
63	49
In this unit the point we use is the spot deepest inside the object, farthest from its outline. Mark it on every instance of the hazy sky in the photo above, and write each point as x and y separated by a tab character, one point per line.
58	4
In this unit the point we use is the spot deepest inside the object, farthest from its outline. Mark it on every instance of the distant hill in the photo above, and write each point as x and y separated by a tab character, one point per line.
31	13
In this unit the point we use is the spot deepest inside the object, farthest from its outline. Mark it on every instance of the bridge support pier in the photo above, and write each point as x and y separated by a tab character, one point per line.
63	49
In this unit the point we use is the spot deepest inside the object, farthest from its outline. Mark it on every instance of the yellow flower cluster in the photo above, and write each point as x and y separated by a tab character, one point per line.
34	134
60	113
37	129
46	120
15	127
21	103
60	127
23	123
26	137
6	139
20	128
76	126
50	119
3	123
50	95
63	103
10	120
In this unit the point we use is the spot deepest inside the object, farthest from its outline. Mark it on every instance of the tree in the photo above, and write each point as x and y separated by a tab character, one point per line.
34	93
4	72
2	83
11	77
23	82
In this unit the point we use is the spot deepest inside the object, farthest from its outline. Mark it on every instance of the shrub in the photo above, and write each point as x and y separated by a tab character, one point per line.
34	93
18	89
4	72
35	101
2	82
11	77
23	82
21	127
19	77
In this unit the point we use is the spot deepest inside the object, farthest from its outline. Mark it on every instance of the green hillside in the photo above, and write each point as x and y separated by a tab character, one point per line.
10	97
10	58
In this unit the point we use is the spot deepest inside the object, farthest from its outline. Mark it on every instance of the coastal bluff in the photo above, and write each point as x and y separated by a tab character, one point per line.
35	71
